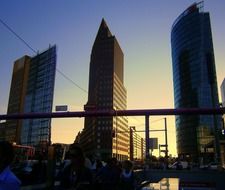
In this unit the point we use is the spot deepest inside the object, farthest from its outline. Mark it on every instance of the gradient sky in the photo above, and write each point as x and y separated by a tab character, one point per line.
143	31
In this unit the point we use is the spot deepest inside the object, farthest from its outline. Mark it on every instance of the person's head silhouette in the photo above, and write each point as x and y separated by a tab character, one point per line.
6	154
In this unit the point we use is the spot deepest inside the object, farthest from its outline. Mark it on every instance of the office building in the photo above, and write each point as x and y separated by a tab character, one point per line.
137	146
222	89
17	97
102	136
222	139
31	91
195	84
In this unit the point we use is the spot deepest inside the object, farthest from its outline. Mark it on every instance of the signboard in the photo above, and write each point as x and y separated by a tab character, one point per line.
61	108
153	143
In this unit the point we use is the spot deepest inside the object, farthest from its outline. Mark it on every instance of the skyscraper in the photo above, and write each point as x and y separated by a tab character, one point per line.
17	97
222	89
195	83
100	135
136	145
32	88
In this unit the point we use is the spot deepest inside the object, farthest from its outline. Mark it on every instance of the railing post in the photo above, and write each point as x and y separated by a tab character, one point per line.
147	136
166	141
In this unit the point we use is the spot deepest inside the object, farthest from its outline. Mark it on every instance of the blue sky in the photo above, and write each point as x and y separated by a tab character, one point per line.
142	29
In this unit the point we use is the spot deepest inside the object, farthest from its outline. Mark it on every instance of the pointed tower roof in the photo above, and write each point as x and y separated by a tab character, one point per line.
103	31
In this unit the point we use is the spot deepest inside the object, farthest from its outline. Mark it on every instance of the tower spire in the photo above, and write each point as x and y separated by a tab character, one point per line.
103	31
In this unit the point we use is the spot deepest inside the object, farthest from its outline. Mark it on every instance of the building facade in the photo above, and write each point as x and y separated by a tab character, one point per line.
32	89
195	84
137	146
17	98
222	139
100	135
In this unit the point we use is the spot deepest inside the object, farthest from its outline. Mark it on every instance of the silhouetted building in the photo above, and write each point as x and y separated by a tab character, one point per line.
137	146
100	135
222	139
17	98
195	84
32	88
222	88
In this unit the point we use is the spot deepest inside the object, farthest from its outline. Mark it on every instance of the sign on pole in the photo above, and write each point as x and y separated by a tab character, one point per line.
61	108
153	143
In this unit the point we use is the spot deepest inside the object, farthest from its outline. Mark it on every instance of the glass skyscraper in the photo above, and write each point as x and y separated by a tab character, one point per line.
195	83
100	135
32	89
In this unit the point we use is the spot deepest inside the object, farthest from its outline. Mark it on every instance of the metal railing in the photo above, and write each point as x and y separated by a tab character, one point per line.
104	113
143	112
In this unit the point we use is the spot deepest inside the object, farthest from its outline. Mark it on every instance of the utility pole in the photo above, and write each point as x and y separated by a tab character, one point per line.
166	142
147	136
166	153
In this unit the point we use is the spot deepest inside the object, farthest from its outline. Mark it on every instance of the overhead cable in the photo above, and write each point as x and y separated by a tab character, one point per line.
35	51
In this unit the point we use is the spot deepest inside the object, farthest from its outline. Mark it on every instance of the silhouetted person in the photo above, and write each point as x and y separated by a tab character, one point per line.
99	165
76	175
8	181
109	175
127	180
